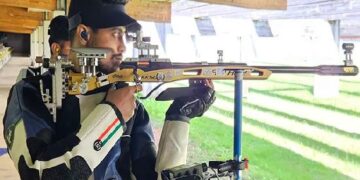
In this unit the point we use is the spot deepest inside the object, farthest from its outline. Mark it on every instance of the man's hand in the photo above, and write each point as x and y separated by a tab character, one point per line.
124	99
185	108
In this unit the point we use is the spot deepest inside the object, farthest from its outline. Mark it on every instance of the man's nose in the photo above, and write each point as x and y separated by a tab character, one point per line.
121	47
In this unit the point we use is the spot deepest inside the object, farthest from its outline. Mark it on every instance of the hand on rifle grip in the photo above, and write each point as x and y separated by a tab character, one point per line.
124	99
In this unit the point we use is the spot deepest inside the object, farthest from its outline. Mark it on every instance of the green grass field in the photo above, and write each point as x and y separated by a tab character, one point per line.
307	156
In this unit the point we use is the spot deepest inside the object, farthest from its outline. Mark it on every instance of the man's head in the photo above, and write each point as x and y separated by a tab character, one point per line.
100	24
59	39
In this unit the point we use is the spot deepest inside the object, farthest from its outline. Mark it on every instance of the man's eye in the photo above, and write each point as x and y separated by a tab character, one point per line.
118	34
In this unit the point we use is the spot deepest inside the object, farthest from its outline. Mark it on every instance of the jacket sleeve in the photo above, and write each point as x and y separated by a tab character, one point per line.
142	146
37	154
173	145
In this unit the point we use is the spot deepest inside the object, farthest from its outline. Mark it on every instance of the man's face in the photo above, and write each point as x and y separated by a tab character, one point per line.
112	39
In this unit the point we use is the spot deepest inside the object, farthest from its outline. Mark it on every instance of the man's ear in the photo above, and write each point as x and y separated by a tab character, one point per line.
55	48
83	34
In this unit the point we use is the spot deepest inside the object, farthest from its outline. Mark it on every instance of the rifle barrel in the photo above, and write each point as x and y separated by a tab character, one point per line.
331	70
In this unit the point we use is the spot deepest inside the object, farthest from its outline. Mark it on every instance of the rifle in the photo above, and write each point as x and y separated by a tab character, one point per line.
148	67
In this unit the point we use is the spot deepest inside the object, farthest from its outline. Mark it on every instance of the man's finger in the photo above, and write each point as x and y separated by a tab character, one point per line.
136	88
209	83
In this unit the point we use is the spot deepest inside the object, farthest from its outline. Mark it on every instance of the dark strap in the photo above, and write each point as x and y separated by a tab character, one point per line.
124	162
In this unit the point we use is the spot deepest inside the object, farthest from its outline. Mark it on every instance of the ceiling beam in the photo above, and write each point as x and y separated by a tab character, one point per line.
46	5
15	30
8	12
12	25
252	4
25	23
297	9
144	10
19	20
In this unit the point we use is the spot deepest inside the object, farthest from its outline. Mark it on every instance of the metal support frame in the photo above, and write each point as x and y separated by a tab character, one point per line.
238	119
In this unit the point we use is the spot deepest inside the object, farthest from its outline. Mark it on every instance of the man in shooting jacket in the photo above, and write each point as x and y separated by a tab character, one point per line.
104	134
59	43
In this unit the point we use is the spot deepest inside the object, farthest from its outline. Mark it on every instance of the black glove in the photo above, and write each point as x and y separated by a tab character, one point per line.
185	108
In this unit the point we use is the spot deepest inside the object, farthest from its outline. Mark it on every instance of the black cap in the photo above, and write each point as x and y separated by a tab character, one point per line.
98	13
58	29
